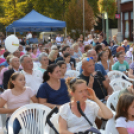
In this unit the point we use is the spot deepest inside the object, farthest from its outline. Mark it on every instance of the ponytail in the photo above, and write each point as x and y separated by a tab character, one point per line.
10	84
50	69
46	77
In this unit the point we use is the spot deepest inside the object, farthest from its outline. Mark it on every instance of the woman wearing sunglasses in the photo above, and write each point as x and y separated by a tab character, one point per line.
70	120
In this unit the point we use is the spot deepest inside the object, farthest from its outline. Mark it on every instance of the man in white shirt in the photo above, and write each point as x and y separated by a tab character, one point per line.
33	78
58	39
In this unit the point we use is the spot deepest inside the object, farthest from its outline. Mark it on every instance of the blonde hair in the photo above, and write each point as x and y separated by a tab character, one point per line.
74	45
8	58
71	86
51	54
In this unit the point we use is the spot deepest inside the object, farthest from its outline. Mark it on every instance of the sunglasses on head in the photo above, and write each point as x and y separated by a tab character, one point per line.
73	80
89	58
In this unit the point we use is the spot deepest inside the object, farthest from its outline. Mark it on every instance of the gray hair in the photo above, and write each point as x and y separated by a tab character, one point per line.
42	55
22	58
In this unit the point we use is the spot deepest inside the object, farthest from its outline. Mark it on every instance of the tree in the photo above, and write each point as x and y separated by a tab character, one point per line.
108	6
51	8
94	5
74	16
13	10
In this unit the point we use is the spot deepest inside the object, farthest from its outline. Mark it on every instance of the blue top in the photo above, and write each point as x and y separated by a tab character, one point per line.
4	64
59	96
126	48
98	67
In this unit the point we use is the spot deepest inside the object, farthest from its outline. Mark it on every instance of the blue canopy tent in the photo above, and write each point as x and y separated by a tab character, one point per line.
35	22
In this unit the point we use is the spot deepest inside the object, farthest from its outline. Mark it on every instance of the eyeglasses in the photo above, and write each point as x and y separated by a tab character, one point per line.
89	58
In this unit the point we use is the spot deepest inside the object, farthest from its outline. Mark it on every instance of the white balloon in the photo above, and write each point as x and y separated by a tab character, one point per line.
12	43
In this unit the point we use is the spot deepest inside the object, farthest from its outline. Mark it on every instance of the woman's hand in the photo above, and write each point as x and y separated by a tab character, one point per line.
91	95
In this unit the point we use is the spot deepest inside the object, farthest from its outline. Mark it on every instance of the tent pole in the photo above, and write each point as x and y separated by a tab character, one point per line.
14	31
65	31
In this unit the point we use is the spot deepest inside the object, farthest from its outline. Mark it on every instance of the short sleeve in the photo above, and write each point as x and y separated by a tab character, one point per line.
115	66
120	122
5	94
127	65
30	92
103	70
42	91
96	109
63	111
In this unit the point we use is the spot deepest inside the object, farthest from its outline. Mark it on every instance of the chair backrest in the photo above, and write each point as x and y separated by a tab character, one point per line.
32	119
110	127
117	74
72	73
113	100
119	84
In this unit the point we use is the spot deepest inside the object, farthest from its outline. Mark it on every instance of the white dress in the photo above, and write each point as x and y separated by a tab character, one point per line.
79	124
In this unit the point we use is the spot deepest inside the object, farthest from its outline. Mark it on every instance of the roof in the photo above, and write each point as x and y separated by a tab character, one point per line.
35	21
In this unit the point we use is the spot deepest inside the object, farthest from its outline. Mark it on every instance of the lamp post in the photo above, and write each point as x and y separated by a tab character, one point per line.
133	20
107	24
84	18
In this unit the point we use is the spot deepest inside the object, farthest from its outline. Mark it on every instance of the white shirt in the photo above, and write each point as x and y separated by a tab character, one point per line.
33	81
89	41
86	43
58	40
79	124
129	125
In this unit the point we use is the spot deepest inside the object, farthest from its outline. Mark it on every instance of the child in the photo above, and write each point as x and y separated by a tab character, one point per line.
125	114
121	65
63	68
15	96
70	65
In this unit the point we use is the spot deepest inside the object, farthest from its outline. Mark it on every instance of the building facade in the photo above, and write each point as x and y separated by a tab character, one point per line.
126	11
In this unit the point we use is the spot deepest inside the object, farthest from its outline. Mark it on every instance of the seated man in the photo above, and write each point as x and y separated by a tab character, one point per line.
95	79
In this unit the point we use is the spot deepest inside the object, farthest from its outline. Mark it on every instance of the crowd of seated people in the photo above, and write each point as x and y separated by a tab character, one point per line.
38	72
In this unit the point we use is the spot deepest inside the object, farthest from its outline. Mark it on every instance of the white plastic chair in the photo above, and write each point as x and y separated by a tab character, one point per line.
119	84
54	120
72	73
110	127
32	119
117	74
3	123
113	100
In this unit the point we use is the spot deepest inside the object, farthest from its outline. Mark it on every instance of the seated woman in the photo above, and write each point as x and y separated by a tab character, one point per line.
103	60
70	120
34	54
52	56
77	52
53	92
15	96
125	114
43	59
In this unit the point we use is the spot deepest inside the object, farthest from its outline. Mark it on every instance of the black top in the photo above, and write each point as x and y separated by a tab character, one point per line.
51	62
96	85
72	60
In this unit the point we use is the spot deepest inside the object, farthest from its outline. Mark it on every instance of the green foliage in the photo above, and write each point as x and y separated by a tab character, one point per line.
74	16
108	6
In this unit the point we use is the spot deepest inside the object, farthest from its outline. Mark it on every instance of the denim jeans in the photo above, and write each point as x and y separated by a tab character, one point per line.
16	126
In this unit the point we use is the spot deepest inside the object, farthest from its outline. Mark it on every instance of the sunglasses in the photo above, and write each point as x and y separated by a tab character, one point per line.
74	80
89	58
